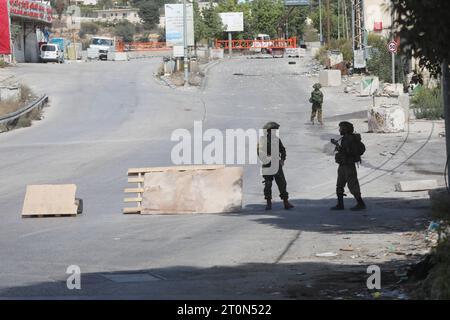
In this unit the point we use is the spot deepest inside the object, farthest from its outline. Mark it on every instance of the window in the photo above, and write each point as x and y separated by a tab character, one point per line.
124	15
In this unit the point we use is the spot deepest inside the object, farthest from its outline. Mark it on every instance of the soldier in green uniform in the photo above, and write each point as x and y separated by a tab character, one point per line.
316	100
349	150
279	175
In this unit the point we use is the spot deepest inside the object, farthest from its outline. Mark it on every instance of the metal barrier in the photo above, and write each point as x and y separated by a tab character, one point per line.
24	110
257	44
144	46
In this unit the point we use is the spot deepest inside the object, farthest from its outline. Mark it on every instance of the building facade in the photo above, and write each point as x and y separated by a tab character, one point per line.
117	14
30	22
378	16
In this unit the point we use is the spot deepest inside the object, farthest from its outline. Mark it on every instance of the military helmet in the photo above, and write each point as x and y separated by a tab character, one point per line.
271	125
317	86
347	126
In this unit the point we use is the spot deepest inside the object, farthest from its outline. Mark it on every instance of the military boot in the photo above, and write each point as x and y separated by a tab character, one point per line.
269	204
287	205
340	204
360	205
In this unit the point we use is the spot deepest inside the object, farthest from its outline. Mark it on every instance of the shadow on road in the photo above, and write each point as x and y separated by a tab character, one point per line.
303	280
383	215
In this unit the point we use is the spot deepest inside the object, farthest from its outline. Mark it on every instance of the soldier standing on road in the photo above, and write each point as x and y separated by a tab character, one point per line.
316	100
279	175
349	152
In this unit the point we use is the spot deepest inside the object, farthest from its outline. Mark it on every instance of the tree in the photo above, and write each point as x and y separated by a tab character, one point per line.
149	12
60	6
126	30
207	23
265	16
424	32
107	4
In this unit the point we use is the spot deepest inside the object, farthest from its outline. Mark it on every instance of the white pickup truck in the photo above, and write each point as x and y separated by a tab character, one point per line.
262	43
99	48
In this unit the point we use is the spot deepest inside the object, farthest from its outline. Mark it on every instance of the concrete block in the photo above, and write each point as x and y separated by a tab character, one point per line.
10	93
369	85
330	78
216	53
120	56
193	191
386	119
50	200
416	185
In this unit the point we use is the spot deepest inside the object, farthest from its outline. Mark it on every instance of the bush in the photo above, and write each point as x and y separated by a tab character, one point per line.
88	28
344	46
427	103
379	62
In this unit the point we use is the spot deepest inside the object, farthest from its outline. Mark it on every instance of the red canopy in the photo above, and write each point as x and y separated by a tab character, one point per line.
5	41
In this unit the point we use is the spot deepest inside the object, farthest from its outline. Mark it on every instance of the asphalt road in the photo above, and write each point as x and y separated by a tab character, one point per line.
106	117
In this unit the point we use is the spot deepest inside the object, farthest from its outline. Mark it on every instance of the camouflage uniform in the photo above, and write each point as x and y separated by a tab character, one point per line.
279	177
316	100
347	174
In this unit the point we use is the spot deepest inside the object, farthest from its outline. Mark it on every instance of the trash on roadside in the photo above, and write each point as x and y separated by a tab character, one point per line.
376	295
348	248
433	226
326	254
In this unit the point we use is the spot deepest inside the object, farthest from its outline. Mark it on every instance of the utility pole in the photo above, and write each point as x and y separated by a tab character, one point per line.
320	22
345	19
328	23
185	58
392	37
445	88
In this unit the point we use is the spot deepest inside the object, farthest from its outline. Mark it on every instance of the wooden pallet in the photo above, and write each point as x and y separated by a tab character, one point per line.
136	176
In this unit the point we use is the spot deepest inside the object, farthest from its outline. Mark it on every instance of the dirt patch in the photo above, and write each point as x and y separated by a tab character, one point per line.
11	105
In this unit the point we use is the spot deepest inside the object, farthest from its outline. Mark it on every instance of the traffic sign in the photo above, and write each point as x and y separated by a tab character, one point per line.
392	47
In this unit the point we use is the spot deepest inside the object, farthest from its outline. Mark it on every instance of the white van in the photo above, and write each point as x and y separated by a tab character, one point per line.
51	52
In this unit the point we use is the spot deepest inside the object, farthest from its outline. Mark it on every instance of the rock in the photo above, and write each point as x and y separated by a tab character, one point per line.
415	185
193	191
440	201
386	119
330	78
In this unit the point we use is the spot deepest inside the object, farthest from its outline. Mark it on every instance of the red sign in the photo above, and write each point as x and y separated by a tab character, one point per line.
392	46
30	9
5	40
378	26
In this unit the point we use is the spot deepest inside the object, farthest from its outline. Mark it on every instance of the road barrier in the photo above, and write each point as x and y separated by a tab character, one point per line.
142	46
14	116
257	44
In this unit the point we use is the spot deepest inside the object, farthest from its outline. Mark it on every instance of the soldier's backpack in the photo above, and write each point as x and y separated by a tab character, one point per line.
358	147
316	97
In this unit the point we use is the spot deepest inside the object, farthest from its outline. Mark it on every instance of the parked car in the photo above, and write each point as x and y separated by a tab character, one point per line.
51	52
